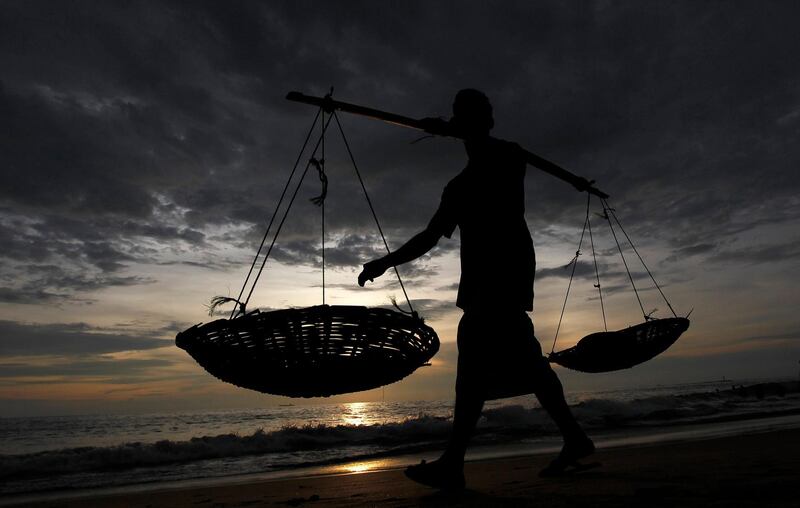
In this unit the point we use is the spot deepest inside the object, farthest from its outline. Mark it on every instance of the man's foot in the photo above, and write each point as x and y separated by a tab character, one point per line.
567	460
558	468
437	474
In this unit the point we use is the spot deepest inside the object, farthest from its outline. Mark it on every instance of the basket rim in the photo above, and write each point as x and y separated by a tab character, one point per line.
400	321
312	308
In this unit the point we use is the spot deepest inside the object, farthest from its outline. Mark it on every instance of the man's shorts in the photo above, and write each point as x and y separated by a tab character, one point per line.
498	355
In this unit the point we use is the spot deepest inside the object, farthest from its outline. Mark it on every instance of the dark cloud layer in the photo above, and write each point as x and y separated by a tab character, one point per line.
134	129
68	339
106	367
583	270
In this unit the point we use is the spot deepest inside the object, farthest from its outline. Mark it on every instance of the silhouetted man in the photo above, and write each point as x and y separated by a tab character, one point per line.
499	355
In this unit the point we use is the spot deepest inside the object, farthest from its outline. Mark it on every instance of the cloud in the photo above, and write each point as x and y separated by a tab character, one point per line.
23	339
691	250
114	367
41	284
349	251
790	336
427	308
759	253
450	287
583	270
30	295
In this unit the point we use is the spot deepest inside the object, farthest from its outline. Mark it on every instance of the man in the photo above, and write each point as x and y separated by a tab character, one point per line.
499	356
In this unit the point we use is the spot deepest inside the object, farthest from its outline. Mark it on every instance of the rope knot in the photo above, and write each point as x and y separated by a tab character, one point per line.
319	165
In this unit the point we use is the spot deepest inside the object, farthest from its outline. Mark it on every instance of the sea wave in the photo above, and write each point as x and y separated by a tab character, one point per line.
610	413
500	424
733	403
288	439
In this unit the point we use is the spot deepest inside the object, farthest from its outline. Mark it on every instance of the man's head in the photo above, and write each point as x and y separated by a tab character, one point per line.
472	113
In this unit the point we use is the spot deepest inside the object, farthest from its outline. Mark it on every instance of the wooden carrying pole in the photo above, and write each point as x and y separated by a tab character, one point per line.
439	127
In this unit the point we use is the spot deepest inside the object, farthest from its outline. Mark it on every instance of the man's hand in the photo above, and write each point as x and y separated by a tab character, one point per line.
582	184
372	270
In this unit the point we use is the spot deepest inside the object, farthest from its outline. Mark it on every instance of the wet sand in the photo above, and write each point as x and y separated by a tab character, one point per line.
760	470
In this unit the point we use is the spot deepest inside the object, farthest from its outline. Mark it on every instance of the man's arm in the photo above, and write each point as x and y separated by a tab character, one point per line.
411	250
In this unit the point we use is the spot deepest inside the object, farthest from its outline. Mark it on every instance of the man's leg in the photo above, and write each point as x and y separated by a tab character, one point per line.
448	471
469	399
465	417
551	396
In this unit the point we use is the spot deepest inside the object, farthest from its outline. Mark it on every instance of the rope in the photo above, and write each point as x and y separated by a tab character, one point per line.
274	214
642	261
372	209
286	213
574	264
597	276
607	209
319	165
324	179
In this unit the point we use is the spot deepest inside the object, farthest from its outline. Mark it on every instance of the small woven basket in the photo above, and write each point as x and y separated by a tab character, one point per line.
622	349
313	351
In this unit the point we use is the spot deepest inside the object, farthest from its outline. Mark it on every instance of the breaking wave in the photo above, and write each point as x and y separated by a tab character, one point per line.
501	424
288	439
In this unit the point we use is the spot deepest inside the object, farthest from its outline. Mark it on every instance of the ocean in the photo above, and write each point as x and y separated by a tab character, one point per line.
68	453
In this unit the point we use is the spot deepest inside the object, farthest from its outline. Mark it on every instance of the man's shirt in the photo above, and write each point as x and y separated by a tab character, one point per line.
487	202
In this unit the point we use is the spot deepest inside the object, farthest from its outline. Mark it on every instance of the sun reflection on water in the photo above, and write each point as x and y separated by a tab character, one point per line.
363	467
356	413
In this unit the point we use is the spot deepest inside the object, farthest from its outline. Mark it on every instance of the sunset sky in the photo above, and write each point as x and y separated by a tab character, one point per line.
145	144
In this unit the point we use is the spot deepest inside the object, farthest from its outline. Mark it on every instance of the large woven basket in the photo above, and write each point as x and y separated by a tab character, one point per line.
314	351
622	349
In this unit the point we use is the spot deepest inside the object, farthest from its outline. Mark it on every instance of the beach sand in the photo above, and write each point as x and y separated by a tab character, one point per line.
751	470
